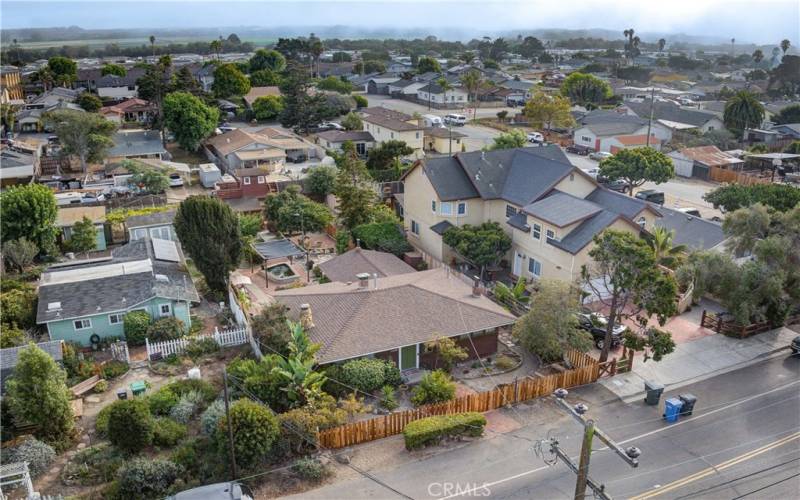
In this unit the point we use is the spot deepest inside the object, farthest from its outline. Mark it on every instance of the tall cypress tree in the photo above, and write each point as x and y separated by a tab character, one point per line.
209	232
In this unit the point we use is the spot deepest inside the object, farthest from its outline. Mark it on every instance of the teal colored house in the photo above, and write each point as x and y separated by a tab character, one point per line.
84	301
68	216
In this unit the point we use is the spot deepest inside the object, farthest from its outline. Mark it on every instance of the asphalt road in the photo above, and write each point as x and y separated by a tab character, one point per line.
743	440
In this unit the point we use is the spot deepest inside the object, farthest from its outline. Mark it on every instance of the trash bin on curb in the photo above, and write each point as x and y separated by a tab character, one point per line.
654	391
688	401
672	409
122	394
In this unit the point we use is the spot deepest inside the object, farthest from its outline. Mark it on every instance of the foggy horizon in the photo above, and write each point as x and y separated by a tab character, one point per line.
709	21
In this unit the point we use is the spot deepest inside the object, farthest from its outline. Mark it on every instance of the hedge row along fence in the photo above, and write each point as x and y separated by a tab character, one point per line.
585	370
431	430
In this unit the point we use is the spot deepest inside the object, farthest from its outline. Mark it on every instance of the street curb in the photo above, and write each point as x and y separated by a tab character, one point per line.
744	364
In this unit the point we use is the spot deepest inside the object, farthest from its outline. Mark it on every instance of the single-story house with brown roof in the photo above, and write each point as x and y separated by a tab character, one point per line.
256	92
334	139
265	148
347	266
394	317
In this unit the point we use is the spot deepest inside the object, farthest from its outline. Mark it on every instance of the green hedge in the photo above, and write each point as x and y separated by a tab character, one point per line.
431	430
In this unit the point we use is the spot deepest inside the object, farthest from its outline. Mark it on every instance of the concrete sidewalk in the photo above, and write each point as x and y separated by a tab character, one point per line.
697	360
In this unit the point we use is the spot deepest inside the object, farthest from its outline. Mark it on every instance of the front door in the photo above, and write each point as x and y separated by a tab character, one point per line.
517	264
408	357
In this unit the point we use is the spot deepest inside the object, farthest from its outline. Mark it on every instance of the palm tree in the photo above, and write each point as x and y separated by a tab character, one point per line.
216	47
742	111
661	44
733	42
301	383
46	77
153	45
785	44
315	50
758	56
629	44
442	82
666	253
471	80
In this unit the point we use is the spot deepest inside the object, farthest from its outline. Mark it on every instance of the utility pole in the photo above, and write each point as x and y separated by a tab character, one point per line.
652	105
228	420
629	455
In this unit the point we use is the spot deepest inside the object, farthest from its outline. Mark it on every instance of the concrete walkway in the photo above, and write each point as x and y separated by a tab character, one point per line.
698	359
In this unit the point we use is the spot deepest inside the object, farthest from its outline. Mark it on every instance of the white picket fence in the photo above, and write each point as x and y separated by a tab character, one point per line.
224	338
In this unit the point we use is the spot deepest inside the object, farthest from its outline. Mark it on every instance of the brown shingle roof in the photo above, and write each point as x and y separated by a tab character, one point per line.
393	120
345	267
68	216
405	309
256	92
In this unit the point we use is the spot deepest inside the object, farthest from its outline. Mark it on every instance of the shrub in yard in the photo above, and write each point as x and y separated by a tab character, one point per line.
135	327
254	428
431	430
169	328
209	420
130	425
435	387
388	398
181	387
167	433
391	374
146	478
91	466
102	386
364	374
199	347
299	426
101	423
162	401
38	454
504	362
199	460
310	469
114	369
186	407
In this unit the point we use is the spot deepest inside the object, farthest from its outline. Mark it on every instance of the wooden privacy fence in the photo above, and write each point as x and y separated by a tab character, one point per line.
731	328
724	175
585	371
224	338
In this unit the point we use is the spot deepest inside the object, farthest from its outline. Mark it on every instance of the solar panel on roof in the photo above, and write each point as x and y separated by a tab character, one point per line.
165	250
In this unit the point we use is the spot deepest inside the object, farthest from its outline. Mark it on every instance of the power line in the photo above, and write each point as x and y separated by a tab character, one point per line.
767	486
727	483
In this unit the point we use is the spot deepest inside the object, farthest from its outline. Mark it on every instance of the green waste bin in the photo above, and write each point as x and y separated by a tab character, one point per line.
654	391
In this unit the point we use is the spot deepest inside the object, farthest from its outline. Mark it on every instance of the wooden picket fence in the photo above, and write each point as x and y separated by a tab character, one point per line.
736	177
585	371
224	338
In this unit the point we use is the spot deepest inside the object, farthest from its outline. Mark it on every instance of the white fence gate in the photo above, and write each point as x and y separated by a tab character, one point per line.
224	338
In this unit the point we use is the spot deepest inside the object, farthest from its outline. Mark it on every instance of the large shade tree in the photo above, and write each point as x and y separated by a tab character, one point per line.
624	277
730	197
85	135
209	232
189	119
352	188
482	245
548	111
229	81
29	212
637	166
585	90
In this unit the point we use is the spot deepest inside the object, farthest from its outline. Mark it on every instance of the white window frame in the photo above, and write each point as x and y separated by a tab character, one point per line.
446	208
414	227
158	233
642	222
551	235
459	212
119	316
138	233
261	179
509	208
433	206
161	313
532	263
536	232
246	180
83	323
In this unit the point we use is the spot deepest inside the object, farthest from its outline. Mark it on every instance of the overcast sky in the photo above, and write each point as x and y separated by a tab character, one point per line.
760	21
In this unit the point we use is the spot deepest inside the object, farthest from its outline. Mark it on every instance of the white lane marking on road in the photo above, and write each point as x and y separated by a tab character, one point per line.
646	434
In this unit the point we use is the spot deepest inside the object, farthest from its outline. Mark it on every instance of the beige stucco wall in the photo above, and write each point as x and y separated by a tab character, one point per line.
577	185
413	138
442	145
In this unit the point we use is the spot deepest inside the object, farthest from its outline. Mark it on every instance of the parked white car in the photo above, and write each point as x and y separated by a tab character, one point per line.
175	180
600	155
455	119
535	137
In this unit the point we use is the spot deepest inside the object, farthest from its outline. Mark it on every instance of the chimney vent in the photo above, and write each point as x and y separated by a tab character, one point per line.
363	280
476	286
305	316
375	280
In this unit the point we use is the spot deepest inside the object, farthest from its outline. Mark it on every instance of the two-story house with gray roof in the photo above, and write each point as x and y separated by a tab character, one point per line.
85	301
550	208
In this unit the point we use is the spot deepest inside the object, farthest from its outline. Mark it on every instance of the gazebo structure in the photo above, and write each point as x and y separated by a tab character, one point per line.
275	249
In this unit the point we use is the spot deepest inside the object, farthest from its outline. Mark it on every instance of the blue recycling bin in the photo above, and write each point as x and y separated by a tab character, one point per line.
672	409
